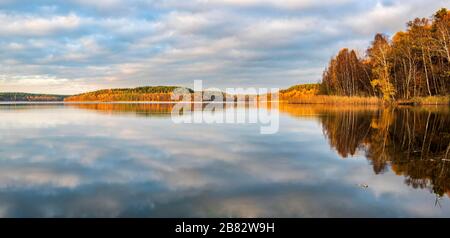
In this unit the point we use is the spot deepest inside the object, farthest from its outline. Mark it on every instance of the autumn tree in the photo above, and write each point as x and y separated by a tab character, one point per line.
415	63
347	75
379	57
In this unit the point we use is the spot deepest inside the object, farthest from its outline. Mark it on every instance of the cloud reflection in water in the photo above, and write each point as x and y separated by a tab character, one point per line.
132	161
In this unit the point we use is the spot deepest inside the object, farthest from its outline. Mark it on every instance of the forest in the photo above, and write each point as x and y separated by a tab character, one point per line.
152	94
157	93
300	90
30	97
414	63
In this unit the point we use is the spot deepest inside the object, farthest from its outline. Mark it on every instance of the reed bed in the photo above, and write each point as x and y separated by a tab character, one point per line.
322	99
434	100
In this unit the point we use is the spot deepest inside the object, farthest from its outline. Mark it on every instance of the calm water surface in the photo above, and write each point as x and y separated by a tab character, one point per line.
123	160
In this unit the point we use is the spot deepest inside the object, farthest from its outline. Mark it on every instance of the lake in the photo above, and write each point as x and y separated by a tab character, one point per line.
132	160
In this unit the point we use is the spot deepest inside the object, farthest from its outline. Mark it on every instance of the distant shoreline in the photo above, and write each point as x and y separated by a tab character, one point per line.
299	94
314	100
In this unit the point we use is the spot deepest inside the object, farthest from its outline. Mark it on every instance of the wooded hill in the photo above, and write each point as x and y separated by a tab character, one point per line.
149	94
157	93
30	97
301	90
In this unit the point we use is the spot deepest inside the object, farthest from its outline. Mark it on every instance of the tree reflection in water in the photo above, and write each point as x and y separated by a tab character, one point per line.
413	142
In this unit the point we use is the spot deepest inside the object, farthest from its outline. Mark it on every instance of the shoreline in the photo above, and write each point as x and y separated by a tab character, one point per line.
311	100
354	100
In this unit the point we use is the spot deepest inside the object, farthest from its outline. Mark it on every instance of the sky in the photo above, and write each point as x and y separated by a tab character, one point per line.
74	46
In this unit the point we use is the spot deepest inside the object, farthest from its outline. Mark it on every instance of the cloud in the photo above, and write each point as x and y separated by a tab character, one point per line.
285	5
391	16
267	43
28	25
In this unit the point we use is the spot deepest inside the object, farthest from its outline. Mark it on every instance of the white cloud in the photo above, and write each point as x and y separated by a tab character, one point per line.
391	18
28	25
379	19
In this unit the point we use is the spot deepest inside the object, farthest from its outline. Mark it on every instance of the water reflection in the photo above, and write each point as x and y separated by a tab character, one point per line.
413	142
150	109
101	160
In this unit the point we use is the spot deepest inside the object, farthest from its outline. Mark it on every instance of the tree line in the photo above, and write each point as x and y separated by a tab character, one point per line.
414	63
30	97
156	93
